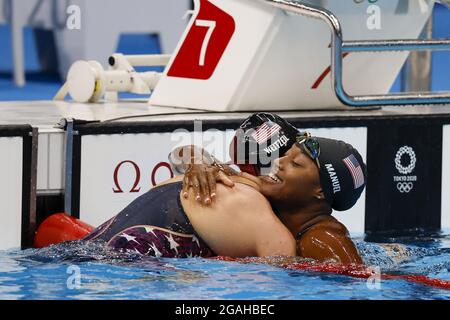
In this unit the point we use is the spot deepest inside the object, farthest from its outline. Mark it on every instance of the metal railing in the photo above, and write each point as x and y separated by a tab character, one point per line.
338	47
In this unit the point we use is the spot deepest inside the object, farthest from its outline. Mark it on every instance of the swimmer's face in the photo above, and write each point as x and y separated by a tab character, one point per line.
294	179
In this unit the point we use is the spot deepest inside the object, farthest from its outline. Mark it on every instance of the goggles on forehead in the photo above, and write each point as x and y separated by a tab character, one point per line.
310	146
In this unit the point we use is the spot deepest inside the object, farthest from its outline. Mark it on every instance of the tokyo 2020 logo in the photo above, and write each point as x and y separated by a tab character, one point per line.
405	182
405	150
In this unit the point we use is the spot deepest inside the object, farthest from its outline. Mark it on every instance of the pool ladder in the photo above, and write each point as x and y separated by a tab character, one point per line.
339	47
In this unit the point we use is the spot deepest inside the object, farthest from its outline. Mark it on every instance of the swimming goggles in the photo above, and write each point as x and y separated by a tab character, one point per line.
310	146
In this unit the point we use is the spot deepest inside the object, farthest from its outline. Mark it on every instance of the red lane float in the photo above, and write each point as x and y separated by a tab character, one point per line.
354	270
59	228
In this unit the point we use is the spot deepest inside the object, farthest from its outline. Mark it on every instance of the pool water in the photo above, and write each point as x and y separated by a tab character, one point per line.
91	271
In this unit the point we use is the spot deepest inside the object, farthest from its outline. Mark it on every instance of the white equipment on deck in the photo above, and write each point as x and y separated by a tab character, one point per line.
88	81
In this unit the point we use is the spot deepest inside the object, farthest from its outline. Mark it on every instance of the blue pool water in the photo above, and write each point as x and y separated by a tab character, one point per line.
52	273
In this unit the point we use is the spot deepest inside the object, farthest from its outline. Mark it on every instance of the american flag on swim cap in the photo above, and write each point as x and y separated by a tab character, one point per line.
266	131
355	170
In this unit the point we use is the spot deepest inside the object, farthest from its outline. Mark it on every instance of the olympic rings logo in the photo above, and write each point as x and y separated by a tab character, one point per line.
412	160
405	187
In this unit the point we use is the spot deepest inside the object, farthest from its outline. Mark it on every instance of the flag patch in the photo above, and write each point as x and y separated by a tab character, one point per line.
265	132
355	170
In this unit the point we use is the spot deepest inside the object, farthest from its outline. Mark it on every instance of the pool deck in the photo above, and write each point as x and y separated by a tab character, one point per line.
46	115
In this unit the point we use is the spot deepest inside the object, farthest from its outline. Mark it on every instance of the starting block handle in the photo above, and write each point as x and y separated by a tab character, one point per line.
151	60
338	47
396	45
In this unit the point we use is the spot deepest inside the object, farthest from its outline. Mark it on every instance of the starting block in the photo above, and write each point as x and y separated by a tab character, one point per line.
257	55
250	55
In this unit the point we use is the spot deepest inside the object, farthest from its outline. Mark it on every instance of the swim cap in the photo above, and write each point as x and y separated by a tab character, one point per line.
261	138
343	173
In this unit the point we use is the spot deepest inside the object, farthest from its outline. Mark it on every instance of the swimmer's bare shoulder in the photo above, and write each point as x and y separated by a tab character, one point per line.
328	240
236	226
332	224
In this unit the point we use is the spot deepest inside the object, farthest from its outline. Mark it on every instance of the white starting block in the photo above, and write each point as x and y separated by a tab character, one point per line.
248	55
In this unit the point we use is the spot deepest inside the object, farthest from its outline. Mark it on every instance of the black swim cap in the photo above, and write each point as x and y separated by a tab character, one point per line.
261	138
343	173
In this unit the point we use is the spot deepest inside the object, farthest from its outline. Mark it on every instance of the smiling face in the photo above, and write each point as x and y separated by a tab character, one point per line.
293	181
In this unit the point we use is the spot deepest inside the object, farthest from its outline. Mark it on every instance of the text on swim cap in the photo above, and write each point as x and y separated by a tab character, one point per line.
334	178
277	145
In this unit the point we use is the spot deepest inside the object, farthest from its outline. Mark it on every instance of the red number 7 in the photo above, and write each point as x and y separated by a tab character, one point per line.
204	44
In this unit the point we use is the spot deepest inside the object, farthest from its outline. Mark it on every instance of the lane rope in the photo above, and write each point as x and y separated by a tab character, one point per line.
353	270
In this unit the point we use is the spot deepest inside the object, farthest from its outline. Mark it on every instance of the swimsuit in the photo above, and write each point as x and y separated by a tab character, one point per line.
154	224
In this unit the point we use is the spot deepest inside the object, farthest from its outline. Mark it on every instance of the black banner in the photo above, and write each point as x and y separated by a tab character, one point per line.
404	177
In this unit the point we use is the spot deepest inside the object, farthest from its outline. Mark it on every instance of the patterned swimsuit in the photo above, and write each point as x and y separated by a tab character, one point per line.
154	224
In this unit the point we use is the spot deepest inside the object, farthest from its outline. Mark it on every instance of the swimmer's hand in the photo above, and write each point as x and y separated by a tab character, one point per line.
203	179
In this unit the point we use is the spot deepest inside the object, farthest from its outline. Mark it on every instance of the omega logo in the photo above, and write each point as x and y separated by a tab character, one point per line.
137	175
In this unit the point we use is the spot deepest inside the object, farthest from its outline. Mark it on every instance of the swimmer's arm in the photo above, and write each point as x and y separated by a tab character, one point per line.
324	244
180	158
203	180
201	172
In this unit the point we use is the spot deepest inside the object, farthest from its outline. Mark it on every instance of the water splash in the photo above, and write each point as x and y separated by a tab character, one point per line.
108	274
